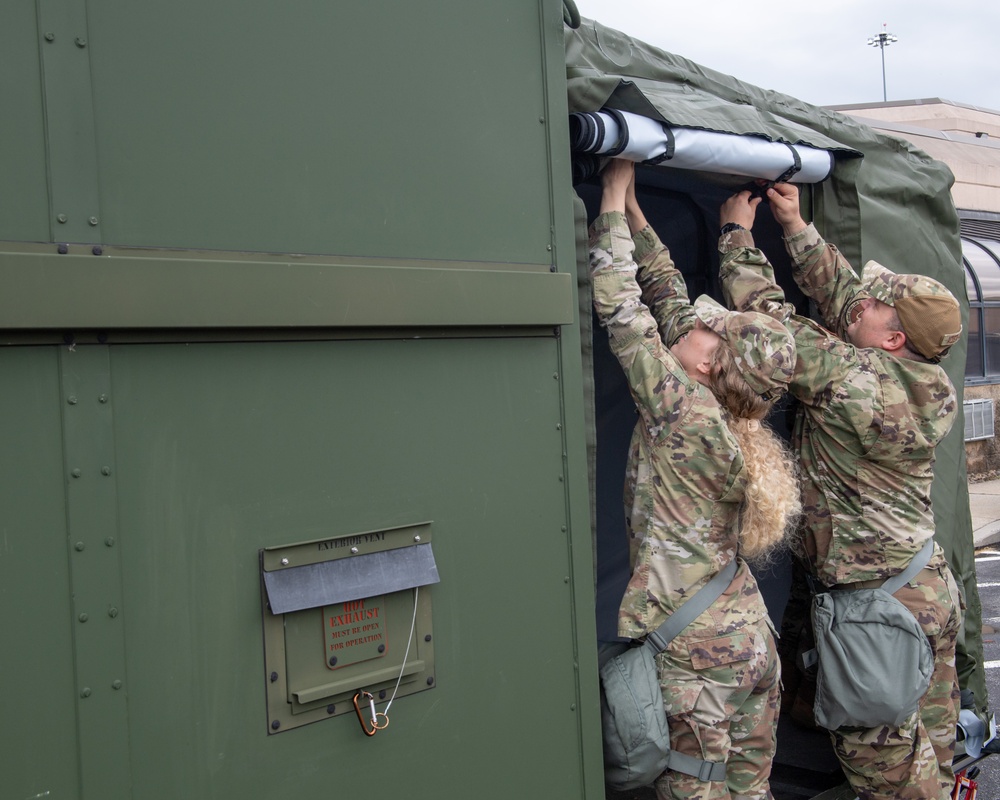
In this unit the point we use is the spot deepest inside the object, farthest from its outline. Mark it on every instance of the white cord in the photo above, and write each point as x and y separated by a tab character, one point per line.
413	625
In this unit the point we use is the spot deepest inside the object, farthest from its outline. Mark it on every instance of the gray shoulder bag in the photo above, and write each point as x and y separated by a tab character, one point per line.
875	662
633	719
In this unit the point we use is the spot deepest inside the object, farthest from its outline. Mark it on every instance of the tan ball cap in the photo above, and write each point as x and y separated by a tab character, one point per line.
928	312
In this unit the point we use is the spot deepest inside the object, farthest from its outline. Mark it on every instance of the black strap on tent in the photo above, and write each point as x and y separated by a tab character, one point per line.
666	154
796	165
622	129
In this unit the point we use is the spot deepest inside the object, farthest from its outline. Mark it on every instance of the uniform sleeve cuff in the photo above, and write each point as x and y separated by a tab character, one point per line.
735	240
806	239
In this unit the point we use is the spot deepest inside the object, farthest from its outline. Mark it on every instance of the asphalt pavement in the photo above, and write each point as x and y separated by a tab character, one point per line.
984	503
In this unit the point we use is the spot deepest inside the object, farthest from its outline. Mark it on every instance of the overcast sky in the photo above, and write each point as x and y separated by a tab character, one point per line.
819	52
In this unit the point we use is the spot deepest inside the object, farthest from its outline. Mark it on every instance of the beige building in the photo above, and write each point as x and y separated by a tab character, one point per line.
967	139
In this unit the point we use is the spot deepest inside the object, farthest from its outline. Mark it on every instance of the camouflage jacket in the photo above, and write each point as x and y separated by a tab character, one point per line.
868	421
685	478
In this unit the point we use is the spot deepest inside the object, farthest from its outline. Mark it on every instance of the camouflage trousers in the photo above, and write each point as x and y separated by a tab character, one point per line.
722	696
913	762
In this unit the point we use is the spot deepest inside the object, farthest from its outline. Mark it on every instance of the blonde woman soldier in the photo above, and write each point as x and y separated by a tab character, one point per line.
707	482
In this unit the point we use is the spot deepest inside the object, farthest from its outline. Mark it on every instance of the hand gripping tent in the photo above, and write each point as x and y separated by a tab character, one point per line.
698	136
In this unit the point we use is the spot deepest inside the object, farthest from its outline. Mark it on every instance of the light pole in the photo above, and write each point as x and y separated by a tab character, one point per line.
881	41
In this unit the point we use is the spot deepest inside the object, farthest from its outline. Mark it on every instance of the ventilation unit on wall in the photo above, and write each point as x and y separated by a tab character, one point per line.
978	419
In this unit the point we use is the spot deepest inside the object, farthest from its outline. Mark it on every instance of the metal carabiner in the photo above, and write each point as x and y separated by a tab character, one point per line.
375	727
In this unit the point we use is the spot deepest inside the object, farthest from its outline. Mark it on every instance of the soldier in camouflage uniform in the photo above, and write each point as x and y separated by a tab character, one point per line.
874	404
697	470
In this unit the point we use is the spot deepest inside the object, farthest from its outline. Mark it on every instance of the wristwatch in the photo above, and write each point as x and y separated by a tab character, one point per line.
729	227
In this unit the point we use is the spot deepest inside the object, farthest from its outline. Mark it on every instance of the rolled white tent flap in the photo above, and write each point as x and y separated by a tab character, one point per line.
749	156
613	133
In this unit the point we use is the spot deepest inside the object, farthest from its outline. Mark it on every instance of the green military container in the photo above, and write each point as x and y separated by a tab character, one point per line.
302	403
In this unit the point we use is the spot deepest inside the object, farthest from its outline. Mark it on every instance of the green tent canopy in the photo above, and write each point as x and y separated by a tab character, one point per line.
883	200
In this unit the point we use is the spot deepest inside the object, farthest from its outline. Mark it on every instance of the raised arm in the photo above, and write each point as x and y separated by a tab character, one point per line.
820	270
657	380
747	276
822	360
664	291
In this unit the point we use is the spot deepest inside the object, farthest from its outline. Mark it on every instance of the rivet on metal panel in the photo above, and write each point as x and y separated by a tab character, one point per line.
275	725
61	218
50	37
116	685
427	638
552	268
354	551
558	426
102	398
112	612
274	677
80	41
83	618
333	661
430	681
331	709
62	249
541	120
561	479
110	541
85	691
284	562
97	250
381	695
555	376
381	648
566	579
71	400
548	247
92	221
79	546
76	473
105	471
416	538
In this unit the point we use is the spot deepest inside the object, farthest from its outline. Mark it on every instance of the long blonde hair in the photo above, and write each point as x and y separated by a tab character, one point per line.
772	504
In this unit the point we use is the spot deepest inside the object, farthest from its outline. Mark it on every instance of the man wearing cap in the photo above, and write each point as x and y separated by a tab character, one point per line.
706	483
874	403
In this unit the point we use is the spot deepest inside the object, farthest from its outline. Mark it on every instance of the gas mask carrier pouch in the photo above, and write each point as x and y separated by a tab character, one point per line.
633	719
874	660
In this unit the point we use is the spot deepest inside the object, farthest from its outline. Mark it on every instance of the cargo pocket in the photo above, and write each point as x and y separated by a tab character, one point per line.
728	667
679	684
722	651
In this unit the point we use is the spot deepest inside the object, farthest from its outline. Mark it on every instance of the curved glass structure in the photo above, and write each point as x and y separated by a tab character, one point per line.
981	258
